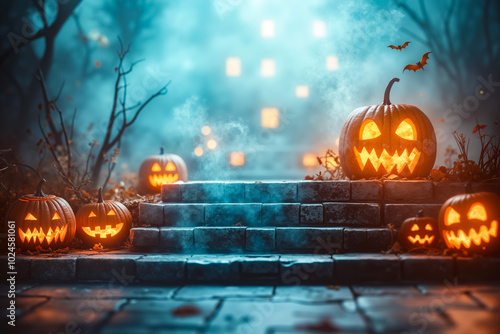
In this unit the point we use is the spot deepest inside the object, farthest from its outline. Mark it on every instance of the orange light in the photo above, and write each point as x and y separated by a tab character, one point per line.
369	130
473	236
319	29
233	67
302	91
198	151
270	118
398	160
29	216
267	28
211	144
206	130
477	211
267	68
309	160
56	216
332	63
105	232
406	130
237	159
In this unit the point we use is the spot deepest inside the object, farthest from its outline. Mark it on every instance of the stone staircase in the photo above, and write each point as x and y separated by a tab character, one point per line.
286	217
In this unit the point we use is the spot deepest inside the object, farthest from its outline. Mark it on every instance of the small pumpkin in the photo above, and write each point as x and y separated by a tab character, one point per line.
419	232
42	220
469	222
387	139
159	169
104	222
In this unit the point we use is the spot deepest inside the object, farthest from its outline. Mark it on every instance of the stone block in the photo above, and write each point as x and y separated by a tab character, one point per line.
145	236
477	269
370	190
234	192
366	268
177	238
261	266
271	192
53	269
355	239
316	240
311	214
427	268
161	268
106	268
323	191
414	191
283	214
151	214
247	214
352	214
304	269
219	238
260	239
202	192
206	269
171	192
396	214
378	239
184	215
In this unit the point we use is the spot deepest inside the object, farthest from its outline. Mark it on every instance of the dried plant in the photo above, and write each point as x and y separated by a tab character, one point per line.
332	169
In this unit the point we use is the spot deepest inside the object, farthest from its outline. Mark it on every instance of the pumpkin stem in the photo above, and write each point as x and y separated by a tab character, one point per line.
387	101
468	188
99	196
39	191
161	151
420	213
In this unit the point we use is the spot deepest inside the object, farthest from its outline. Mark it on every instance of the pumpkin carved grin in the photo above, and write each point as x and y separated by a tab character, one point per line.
39	235
425	239
475	237
388	161
157	180
103	233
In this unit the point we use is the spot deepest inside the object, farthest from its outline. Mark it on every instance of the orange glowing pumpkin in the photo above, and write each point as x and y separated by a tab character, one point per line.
419	232
104	222
469	222
159	169
42	220
387	139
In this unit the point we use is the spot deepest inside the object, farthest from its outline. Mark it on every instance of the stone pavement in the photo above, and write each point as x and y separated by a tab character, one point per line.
116	307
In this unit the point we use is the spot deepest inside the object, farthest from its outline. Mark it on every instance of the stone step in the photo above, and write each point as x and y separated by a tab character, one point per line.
390	191
328	214
123	267
240	239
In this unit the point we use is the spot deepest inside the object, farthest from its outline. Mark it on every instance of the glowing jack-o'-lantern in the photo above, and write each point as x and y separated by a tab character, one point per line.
469	222
387	139
42	220
159	169
104	222
419	232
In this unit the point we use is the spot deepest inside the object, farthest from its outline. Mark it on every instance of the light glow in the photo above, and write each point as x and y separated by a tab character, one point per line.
170	167
156	167
415	228
477	211
29	216
198	151
270	118
237	159
319	29
211	144
302	91
466	240
104	233
56	216
451	216
233	67
40	235
332	63
267	28
369	130
400	161
157	180
420	240
267	68
406	130
309	160
206	130
428	227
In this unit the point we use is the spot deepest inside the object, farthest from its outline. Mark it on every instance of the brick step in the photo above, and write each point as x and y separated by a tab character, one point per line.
391	191
331	214
240	239
121	266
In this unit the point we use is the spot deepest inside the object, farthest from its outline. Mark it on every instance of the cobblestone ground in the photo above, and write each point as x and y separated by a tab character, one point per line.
114	308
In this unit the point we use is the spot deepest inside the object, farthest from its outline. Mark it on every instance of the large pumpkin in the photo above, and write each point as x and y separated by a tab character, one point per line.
159	169
469	222
419	232
104	222
387	139
42	220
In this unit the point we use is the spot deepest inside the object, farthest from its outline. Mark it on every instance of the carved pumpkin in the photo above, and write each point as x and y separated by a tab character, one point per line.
419	232
42	220
159	169
104	222
469	222
387	139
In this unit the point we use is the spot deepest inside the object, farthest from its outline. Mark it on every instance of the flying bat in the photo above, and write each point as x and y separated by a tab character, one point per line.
419	65
399	47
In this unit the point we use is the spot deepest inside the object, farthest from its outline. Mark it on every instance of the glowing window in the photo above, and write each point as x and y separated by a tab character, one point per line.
211	144
332	63
206	130
198	151
319	29
302	91
267	28
270	118
309	160
267	68
237	158
233	67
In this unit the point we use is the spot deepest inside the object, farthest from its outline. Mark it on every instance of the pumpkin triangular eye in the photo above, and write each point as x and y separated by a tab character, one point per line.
170	167
477	211
406	130
451	216
156	167
29	216
428	227
56	216
111	213
415	228
92	214
369	130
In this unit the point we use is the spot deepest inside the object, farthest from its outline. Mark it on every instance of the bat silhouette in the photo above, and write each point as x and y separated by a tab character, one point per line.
399	47
419	65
